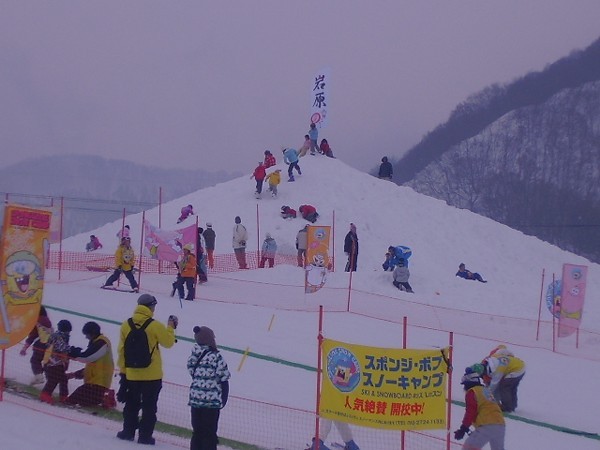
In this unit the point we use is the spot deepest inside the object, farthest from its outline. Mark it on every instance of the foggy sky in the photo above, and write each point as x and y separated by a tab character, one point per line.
211	85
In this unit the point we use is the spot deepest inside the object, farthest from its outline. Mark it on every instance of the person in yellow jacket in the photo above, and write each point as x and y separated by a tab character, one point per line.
504	372
187	271
483	413
140	386
99	367
124	262
274	179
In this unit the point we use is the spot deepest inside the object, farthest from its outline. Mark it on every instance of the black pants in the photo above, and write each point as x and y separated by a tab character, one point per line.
352	262
87	395
205	422
506	393
55	375
117	274
291	167
141	395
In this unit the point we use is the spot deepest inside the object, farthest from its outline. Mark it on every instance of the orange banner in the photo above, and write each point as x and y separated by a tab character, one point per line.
24	245
317	258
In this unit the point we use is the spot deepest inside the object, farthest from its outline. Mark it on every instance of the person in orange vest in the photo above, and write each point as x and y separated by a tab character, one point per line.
483	413
187	270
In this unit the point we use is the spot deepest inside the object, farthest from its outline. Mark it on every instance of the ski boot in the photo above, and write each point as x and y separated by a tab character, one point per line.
351	445
322	445
292	178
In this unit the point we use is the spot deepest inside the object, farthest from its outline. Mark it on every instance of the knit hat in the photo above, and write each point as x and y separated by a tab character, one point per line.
91	328
147	299
189	247
268	236
237	219
353	228
470	377
208	225
205	336
267	152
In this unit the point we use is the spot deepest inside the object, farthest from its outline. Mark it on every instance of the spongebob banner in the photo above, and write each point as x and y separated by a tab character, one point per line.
317	258
574	280
383	387
24	244
167	245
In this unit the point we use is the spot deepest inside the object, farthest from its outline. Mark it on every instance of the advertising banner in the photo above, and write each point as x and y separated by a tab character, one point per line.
389	388
22	265
167	245
574	280
317	258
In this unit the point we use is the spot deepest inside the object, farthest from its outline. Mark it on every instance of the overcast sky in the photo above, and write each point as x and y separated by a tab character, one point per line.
213	84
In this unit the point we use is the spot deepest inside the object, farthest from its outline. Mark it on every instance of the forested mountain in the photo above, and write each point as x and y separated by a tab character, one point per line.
526	155
97	190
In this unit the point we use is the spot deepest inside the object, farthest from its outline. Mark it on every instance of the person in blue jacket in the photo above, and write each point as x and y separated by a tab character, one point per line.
290	157
394	255
468	275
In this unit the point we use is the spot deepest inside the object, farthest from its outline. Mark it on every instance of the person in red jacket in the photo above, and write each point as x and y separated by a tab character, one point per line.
269	159
309	213
259	175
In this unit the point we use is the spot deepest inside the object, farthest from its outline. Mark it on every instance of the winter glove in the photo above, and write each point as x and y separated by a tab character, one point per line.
123	388
460	433
77	374
74	352
173	322
24	350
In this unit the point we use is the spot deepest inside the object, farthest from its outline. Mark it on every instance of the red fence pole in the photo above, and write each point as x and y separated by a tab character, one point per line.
141	248
449	403
319	371
60	236
404	341
160	221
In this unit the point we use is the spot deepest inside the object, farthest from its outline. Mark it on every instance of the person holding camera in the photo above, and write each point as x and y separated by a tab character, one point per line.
140	366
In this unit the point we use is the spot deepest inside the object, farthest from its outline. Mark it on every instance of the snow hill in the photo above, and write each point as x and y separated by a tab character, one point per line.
481	315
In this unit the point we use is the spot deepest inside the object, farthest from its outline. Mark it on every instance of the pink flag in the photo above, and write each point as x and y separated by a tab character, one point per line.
574	279
167	245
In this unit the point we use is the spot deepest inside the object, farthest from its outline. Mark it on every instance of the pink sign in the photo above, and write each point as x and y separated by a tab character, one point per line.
574	279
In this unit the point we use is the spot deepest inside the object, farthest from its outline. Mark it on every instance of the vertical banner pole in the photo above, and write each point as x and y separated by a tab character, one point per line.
60	239
537	334
333	241
141	248
319	371
449	402
404	343
160	221
2	376
257	232
553	317
349	292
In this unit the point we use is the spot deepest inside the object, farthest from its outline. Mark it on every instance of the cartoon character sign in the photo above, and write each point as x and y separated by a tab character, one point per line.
24	248
317	254
343	369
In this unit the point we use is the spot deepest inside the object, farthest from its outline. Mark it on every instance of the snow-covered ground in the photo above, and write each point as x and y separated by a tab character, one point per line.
240	306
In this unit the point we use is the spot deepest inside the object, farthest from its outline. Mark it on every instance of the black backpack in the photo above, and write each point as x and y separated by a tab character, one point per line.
136	348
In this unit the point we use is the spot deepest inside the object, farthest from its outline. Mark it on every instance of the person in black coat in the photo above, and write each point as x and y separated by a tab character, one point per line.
385	169
351	248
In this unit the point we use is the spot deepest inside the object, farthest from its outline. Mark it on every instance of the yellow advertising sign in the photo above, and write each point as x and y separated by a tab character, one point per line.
399	389
22	264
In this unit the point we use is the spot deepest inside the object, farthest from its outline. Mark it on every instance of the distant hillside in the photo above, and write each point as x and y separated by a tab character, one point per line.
96	190
485	107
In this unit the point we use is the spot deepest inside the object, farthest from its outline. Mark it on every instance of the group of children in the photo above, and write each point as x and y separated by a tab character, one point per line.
51	356
260	175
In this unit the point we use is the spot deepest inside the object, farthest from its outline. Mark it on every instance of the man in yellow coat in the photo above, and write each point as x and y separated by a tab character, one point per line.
140	386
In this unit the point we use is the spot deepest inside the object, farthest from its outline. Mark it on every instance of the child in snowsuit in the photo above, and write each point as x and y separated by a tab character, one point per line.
305	147
394	255
259	175
468	275
124	260
325	149
186	212
187	270
274	178
503	373
269	248
201	257
309	213
38	340
483	413
313	134
401	275
290	157
269	159
287	212
56	362
94	244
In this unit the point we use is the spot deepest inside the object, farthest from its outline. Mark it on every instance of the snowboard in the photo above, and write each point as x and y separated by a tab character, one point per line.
112	288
